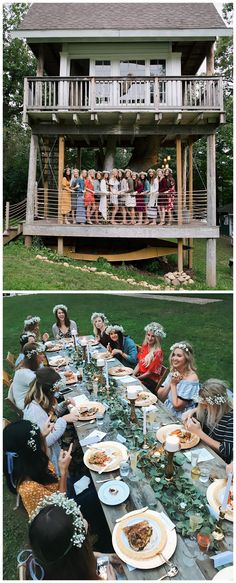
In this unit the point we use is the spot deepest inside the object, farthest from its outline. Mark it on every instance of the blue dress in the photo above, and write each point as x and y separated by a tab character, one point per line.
186	390
80	208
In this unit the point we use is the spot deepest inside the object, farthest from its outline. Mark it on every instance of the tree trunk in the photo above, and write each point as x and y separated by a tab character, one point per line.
145	154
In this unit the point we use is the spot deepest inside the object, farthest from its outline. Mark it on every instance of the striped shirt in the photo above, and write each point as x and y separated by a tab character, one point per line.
223	433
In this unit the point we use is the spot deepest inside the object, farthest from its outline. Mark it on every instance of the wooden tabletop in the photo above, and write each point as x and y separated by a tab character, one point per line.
141	494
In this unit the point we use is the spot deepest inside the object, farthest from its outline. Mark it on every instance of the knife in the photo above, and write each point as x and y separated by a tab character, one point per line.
133	513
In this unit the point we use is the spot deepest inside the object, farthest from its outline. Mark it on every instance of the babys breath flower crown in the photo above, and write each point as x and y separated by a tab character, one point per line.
156	329
31	441
213	399
180	345
99	315
116	327
33	320
70	507
59	307
40	347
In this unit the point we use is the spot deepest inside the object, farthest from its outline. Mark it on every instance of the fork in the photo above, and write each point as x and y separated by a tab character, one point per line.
170	563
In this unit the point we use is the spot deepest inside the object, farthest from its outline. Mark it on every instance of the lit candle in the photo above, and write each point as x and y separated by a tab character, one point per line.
226	494
100	362
144	421
172	443
83	341
106	373
131	392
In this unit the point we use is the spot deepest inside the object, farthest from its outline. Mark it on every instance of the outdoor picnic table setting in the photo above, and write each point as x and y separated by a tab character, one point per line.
164	494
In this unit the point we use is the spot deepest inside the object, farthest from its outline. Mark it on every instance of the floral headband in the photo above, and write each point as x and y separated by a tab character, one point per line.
59	307
99	315
70	507
213	399
156	329
33	320
180	345
116	327
31	441
40	347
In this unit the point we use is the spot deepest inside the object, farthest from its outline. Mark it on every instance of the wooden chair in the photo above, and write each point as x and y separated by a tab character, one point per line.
22	572
163	375
10	358
11	401
5	422
7	379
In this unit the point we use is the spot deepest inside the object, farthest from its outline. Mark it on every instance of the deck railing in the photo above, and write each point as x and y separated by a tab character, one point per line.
193	207
117	93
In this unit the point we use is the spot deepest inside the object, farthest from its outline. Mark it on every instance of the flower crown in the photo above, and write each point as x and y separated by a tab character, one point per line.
31	441
156	329
40	347
180	345
213	399
59	307
99	315
116	327
33	320
70	507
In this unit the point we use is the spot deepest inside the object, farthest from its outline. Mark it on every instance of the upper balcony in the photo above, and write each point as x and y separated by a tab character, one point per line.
168	100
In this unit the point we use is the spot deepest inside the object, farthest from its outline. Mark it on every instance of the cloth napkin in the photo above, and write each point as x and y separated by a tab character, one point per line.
127	379
94	437
203	454
81	485
80	399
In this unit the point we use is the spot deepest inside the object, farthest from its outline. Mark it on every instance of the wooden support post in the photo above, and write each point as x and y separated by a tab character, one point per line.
190	183
60	247
7	215
45	177
211	262
190	254
210	64
28	241
61	164
185	154
179	179
31	178
180	255
211	181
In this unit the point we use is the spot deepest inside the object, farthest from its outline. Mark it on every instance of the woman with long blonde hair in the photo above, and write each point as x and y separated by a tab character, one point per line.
180	389
212	419
150	357
100	322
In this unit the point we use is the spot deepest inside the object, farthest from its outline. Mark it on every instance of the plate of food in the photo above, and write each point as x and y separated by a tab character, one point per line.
226	574
120	371
105	457
144	398
138	540
53	346
88	410
215	495
70	377
93	342
113	492
187	439
58	361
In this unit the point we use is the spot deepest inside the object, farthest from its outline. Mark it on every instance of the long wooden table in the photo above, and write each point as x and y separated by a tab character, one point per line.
141	494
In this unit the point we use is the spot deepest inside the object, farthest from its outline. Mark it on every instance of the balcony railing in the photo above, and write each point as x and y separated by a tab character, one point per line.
123	93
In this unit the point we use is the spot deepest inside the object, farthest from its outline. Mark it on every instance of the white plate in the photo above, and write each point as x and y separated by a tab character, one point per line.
117	452
215	493
226	574
107	497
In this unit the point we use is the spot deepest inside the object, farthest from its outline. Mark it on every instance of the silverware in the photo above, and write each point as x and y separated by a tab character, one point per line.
82	424
139	511
171	573
167	560
108	480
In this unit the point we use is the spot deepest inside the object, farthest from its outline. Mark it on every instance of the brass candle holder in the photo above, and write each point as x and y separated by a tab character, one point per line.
133	416
145	445
169	468
218	533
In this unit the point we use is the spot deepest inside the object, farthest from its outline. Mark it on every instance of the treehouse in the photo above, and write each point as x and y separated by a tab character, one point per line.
123	75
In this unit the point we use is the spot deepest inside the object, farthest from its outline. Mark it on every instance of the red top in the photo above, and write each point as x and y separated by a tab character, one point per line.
155	365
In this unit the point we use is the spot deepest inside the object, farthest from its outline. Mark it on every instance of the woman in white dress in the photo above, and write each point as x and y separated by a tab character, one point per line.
153	197
114	186
104	192
130	198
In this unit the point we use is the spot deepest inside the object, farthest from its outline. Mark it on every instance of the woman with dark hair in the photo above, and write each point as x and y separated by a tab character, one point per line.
166	196
121	346
25	375
63	326
65	202
97	194
40	402
26	465
24	338
100	323
140	205
32	324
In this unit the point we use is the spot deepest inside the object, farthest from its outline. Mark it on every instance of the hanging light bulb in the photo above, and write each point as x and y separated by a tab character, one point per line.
168	157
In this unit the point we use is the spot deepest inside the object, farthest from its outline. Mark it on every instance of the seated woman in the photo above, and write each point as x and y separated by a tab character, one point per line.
60	543
121	346
150	357
180	389
212	419
24	338
40	402
26	465
31	324
63	326
100	323
25	375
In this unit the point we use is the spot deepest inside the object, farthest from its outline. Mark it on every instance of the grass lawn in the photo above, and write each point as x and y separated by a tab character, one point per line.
23	272
208	327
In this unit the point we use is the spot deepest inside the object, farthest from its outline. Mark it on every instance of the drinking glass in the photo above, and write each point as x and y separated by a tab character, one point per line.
124	468
99	418
195	521
80	373
95	388
133	456
203	541
195	470
204	476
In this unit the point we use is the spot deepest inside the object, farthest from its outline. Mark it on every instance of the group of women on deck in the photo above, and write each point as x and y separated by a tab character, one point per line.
44	475
133	198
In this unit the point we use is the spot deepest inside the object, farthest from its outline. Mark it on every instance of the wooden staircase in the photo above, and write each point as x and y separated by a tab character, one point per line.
12	233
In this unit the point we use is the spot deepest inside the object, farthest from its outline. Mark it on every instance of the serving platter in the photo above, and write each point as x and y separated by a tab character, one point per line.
83	409
145	399
168	429
120	371
114	452
215	494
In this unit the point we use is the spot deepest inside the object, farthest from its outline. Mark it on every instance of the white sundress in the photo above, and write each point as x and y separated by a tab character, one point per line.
153	198
103	199
114	191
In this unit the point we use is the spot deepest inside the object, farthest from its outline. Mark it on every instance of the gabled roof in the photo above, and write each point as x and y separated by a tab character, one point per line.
122	16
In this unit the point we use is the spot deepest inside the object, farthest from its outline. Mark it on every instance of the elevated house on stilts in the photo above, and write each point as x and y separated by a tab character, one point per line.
123	74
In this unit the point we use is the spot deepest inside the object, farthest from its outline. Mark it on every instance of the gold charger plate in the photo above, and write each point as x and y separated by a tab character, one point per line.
163	431
99	407
149	399
226	574
116	451
215	494
162	541
57	361
120	371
